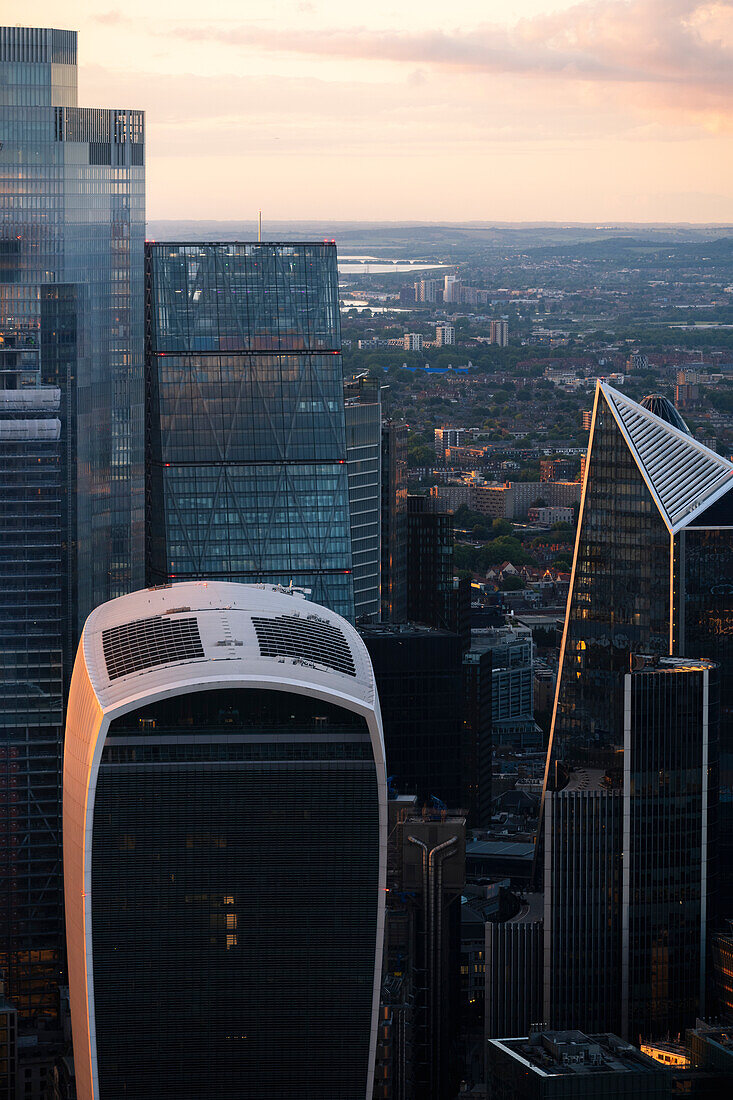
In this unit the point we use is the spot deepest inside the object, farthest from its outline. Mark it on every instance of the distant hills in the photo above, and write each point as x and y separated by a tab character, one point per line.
453	243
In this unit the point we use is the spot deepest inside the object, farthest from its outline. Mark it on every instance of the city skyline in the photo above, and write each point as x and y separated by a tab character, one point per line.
599	110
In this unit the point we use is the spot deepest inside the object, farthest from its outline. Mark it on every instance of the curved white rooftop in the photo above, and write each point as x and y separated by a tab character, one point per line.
683	475
214	631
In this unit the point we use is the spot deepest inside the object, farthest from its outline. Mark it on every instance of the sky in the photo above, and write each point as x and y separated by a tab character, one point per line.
535	110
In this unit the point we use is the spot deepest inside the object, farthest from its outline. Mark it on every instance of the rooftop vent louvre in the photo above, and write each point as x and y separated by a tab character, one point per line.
148	643
305	640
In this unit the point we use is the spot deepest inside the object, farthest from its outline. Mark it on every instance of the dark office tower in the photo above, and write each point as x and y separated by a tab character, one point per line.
71	449
246	448
722	961
582	851
513	996
8	1048
670	793
417	1051
429	564
652	573
363	413
394	522
419	678
628	858
225	836
477	729
662	407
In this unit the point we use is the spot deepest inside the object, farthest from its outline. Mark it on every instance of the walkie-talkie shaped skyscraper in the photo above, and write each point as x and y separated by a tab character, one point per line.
224	848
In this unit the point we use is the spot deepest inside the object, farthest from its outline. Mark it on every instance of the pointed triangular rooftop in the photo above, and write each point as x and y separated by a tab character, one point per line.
683	475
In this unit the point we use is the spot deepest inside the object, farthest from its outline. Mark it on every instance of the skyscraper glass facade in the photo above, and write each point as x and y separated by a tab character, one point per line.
620	598
394	522
638	587
653	574
670	838
225	839
235	863
246	448
363	412
71	434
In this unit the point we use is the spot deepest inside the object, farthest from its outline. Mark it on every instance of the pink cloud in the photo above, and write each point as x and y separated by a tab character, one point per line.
629	41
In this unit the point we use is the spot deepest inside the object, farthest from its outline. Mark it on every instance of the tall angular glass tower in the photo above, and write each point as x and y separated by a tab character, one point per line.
652	574
246	446
71	448
225	845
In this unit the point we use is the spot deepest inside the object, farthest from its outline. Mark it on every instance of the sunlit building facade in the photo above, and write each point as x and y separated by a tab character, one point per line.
71	450
246	447
225	837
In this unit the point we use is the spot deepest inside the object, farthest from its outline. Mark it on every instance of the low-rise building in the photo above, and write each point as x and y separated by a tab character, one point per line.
570	1064
548	515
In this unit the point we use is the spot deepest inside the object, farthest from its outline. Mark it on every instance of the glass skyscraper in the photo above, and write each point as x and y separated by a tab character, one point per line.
363	412
246	447
652	574
629	866
71	447
225	836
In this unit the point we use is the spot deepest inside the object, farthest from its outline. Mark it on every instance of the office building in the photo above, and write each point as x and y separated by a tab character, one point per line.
429	564
513	995
419	678
225	833
445	334
512	683
247	477
363	416
629	850
711	1048
477	736
418	1056
582	853
499	333
8	1048
565	1065
670	795
71	438
653	558
394	522
722	963
413	341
